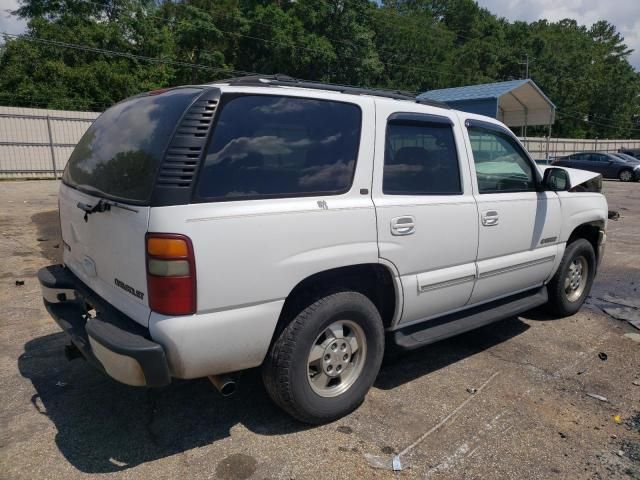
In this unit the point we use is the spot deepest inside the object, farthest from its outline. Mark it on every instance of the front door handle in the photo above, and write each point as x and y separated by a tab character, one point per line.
490	218
403	225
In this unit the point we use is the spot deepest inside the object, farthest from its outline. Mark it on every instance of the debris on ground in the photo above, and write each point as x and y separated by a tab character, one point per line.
61	384
631	315
613	215
624	301
603	356
633	336
472	390
598	397
562	434
42	239
636	383
19	283
617	419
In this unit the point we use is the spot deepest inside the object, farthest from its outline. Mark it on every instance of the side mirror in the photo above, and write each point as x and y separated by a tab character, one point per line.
555	180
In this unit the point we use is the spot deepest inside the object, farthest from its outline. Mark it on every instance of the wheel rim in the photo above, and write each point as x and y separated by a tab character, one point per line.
336	358
576	279
625	176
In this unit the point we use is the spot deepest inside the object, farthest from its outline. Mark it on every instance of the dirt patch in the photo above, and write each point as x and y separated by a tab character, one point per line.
236	467
48	232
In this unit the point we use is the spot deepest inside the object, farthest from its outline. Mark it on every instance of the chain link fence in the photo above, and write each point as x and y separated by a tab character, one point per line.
36	143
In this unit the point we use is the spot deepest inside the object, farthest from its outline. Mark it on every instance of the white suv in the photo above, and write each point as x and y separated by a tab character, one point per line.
301	226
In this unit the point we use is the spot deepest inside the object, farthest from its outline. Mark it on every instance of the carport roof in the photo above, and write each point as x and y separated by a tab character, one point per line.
515	102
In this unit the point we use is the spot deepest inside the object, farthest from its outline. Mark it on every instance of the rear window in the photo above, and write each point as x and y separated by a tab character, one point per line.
119	154
276	146
420	159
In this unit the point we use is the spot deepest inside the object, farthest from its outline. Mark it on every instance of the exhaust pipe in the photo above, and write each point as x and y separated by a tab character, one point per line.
224	383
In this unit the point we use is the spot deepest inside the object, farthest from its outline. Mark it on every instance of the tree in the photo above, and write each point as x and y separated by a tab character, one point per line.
412	45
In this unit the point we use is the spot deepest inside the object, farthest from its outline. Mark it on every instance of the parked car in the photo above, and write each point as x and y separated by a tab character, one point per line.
633	152
301	227
607	164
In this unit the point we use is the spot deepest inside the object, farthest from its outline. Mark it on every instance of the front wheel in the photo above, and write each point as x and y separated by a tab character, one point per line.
570	286
625	175
323	363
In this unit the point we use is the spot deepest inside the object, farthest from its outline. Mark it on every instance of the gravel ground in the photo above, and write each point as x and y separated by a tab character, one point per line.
531	416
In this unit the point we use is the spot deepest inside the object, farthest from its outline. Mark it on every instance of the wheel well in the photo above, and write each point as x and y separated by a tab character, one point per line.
588	231
371	279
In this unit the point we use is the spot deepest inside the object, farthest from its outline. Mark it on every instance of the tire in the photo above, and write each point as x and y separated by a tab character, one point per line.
625	175
287	372
565	298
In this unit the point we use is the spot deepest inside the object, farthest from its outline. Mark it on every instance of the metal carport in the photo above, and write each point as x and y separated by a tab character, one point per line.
516	103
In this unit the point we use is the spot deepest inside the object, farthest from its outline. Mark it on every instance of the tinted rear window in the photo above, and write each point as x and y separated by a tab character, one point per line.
119	154
276	146
420	159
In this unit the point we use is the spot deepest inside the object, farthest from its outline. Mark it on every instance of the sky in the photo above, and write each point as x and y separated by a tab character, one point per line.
624	14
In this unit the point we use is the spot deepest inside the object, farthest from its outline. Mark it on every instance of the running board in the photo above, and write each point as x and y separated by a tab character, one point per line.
431	331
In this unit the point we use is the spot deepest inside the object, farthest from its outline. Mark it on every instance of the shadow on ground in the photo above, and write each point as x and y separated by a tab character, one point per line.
104	426
403	367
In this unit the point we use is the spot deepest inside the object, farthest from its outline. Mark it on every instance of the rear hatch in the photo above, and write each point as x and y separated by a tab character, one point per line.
112	172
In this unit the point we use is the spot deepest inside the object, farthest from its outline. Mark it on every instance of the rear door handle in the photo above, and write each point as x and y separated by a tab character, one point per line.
490	218
403	225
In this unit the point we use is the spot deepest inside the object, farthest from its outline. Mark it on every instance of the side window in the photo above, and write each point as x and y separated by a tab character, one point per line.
420	159
267	146
501	165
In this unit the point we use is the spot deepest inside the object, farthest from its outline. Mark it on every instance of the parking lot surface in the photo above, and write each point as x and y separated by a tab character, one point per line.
531	415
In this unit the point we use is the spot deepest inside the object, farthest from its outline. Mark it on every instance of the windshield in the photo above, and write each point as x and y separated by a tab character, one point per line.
119	154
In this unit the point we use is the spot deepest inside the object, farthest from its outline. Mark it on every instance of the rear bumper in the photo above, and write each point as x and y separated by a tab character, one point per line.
109	340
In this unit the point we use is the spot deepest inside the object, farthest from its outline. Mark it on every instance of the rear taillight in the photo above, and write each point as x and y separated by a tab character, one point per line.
171	274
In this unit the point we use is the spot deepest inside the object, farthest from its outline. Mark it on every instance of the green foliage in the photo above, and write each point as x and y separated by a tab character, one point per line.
412	45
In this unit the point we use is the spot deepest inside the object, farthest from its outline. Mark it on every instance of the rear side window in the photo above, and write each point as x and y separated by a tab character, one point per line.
119	154
276	146
420	159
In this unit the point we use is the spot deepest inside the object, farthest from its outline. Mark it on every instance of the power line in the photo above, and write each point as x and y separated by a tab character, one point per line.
303	47
593	122
131	56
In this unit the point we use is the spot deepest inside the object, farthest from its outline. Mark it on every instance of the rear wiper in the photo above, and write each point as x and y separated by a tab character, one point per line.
102	206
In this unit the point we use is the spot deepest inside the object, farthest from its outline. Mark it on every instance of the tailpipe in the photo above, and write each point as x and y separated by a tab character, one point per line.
224	383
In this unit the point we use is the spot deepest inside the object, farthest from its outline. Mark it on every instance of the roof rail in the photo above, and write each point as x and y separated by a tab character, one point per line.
287	81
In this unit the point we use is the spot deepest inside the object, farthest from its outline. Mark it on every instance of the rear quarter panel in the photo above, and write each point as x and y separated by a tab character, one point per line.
255	251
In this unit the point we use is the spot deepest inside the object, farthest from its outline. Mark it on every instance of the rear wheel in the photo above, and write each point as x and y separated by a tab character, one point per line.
572	282
625	175
323	363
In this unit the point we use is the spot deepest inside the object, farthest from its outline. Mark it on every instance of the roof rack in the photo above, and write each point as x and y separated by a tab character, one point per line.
287	81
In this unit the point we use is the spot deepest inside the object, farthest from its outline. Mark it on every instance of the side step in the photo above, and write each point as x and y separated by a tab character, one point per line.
430	331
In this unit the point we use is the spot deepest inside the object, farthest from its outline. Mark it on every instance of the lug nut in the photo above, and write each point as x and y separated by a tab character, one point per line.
327	357
334	346
329	368
345	357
